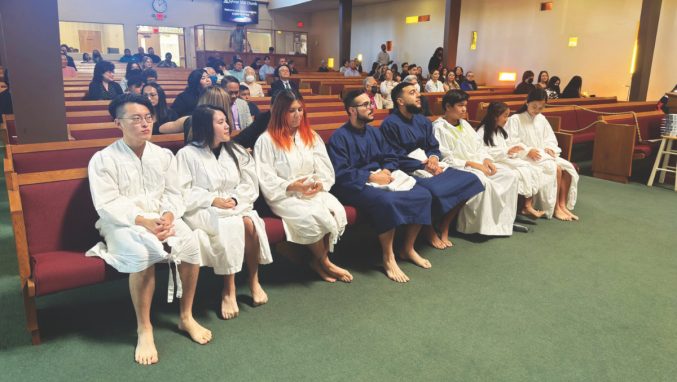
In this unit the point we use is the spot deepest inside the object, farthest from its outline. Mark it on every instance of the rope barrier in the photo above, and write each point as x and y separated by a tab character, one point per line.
634	115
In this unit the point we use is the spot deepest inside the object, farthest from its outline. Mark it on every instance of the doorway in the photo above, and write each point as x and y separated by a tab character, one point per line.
90	40
163	40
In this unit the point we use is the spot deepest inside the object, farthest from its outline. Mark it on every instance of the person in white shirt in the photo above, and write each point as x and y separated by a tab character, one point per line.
346	66
135	192
386	88
219	185
493	211
266	69
530	128
295	175
255	90
503	150
434	84
352	70
383	57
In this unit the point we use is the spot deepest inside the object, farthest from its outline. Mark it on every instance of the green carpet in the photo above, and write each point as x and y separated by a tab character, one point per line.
589	301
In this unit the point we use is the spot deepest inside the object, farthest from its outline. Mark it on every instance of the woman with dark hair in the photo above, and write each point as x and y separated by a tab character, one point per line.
552	89
86	58
256	64
133	70
458	71
530	128
295	176
543	78
161	112
103	86
663	102
185	102
374	68
96	56
219	185
450	82
527	84
436	61
502	150
443	73
573	88
493	211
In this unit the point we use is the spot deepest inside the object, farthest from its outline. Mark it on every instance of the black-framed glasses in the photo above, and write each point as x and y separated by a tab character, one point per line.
366	104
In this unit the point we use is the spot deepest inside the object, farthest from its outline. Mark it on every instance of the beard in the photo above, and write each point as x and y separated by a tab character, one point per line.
413	109
366	119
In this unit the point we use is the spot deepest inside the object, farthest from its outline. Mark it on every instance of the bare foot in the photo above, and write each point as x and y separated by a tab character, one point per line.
433	239
145	353
532	212
394	272
258	295
229	309
566	210
561	215
415	258
337	272
315	265
197	332
446	241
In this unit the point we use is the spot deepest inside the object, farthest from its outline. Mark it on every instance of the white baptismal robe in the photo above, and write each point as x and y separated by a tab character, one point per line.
124	187
306	220
493	211
221	232
536	133
532	178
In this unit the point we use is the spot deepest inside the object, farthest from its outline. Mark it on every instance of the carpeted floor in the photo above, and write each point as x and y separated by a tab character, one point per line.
589	301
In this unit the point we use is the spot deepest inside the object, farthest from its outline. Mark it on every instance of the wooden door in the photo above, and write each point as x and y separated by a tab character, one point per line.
90	40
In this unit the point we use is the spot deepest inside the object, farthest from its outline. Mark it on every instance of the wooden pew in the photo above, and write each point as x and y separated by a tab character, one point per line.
515	105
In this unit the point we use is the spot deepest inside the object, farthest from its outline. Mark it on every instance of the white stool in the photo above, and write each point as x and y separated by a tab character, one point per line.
664	152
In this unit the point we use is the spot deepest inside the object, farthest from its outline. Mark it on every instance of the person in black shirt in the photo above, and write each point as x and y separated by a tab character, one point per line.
186	101
247	137
527	84
284	82
64	50
151	53
103	85
245	94
6	99
138	57
161	112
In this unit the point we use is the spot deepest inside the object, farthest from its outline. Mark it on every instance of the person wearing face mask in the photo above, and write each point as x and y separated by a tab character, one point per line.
373	92
103	86
527	84
255	90
213	75
412	137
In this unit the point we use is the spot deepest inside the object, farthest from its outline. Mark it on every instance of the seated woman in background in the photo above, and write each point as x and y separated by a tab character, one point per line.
147	63
386	87
543	78
469	84
531	178
530	128
573	88
186	101
212	96
662	103
444	72
458	71
552	89
133	69
295	175
434	84
86	58
161	112
219	186
103	85
67	71
255	90
527	84
96	56
451	82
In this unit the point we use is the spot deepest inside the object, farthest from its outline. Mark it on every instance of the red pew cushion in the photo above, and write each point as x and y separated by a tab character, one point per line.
59	270
274	230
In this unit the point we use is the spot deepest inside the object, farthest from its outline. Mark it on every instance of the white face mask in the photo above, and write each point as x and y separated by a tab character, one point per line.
249	79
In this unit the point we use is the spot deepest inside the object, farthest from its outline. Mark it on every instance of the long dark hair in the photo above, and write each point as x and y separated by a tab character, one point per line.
552	84
490	124
540	74
129	71
161	110
100	68
534	95
202	122
194	82
573	88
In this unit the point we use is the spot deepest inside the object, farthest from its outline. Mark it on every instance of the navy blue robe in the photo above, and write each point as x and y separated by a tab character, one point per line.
448	188
355	153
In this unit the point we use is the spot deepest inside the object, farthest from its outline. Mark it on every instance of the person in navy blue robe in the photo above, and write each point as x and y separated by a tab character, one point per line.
357	152
407	130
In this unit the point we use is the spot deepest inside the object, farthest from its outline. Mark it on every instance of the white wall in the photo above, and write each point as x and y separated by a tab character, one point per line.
664	67
180	13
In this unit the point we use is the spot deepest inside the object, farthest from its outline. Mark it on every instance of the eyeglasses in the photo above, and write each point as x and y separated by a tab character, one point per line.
137	119
366	104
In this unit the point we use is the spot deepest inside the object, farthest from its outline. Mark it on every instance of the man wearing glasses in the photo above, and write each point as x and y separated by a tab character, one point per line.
134	189
368	177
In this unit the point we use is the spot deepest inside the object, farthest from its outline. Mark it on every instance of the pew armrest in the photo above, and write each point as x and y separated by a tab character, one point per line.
565	141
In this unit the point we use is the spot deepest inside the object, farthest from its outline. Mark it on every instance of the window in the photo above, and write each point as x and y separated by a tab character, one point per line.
85	37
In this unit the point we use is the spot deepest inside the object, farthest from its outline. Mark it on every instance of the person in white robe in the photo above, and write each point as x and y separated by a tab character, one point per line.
219	186
534	131
135	191
502	149
493	211
434	85
295	175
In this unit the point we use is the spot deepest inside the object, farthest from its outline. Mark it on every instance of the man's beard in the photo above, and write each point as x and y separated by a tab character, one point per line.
367	119
413	109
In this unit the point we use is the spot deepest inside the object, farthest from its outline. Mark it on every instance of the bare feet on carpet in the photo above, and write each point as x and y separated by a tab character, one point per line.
394	272
145	352
433	239
315	265
415	258
562	215
197	332
532	212
229	309
258	295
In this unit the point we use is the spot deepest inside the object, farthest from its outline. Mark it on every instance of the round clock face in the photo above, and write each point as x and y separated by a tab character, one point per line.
160	6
